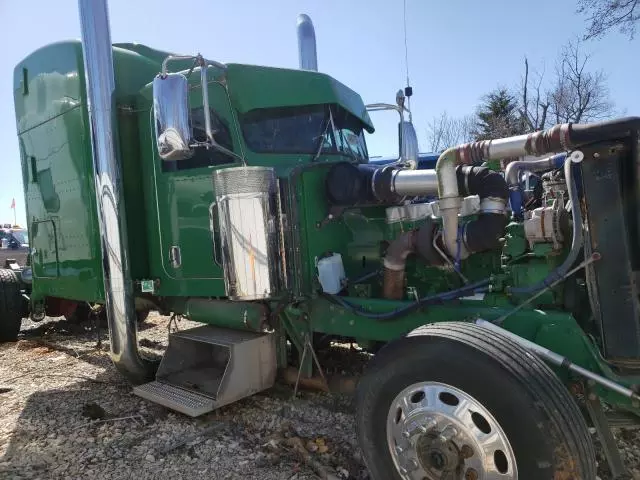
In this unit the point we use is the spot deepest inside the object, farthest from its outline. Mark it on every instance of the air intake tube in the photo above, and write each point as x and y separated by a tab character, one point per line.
477	235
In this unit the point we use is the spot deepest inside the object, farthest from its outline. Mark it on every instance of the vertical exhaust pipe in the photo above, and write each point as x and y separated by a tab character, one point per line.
307	56
118	287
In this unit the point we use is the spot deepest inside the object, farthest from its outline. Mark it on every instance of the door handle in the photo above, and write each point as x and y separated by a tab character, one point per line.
175	256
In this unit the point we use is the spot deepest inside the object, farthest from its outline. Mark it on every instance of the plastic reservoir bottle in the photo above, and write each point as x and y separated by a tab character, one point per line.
331	273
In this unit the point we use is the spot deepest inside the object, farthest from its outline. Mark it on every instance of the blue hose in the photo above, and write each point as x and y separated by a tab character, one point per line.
481	286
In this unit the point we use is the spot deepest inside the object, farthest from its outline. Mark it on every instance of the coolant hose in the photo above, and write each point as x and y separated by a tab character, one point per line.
576	241
469	289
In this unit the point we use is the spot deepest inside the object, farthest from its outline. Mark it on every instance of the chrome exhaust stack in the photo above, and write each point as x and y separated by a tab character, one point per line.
118	286
307	55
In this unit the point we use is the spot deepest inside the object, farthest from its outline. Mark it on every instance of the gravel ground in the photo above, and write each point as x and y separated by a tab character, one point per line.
66	413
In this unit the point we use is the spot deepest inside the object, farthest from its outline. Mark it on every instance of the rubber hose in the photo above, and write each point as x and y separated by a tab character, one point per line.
480	286
576	241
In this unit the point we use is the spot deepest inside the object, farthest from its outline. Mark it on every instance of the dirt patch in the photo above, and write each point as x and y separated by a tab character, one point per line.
65	413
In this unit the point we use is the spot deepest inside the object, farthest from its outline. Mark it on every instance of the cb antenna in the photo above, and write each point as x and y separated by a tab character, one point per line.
408	91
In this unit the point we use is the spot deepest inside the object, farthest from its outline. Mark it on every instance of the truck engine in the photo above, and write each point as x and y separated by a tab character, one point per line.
243	197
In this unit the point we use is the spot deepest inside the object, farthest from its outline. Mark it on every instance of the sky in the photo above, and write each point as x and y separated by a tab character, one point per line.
458	51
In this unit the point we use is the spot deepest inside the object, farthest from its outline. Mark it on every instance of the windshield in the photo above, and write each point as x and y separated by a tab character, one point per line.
286	129
349	135
21	236
308	129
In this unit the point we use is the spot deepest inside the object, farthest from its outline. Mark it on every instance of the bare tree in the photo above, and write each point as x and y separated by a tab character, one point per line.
444	131
575	93
605	15
578	94
534	100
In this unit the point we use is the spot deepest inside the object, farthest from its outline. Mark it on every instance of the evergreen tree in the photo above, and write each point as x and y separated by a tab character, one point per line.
498	116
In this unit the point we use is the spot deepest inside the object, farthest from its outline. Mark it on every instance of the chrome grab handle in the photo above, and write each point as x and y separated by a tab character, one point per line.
212	223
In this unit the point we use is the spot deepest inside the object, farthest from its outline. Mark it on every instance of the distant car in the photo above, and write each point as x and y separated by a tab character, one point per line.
14	244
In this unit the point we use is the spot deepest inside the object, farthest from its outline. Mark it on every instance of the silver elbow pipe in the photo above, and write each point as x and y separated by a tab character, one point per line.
118	288
450	201
531	164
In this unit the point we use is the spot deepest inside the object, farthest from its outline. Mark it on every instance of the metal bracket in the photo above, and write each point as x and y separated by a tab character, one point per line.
309	347
601	425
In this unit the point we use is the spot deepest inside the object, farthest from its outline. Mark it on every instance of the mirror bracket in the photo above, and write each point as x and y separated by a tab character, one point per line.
171	109
407	137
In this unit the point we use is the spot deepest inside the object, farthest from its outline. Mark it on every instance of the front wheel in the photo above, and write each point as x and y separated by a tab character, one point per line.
457	401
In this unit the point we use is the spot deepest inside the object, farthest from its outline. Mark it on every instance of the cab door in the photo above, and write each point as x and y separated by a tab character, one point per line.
185	198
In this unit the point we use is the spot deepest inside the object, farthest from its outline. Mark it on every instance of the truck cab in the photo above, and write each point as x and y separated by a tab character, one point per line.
260	116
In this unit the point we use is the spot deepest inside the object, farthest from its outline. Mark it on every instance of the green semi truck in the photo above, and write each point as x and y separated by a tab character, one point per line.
241	197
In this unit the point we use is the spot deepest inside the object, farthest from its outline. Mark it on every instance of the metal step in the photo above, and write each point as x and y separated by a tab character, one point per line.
207	367
623	419
178	399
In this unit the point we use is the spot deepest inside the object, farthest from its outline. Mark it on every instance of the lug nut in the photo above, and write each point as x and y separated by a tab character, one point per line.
431	423
448	433
471	474
466	451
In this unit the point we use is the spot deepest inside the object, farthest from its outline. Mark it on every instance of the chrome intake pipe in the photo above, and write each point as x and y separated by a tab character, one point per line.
414	182
118	288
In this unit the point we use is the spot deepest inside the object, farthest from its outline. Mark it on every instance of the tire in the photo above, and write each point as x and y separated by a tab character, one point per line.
10	306
518	397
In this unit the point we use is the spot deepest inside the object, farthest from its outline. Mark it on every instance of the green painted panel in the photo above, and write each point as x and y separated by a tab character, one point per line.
248	85
356	235
44	260
58	183
47	83
252	86
133	194
52	123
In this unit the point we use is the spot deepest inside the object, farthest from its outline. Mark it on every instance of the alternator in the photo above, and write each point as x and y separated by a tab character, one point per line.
543	225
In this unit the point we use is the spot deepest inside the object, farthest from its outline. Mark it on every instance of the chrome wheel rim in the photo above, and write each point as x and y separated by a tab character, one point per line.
436	431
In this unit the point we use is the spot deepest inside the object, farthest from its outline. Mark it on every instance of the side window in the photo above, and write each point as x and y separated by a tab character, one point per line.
205	157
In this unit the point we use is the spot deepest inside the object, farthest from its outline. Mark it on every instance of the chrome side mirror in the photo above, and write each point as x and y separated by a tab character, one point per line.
408	142
172	116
